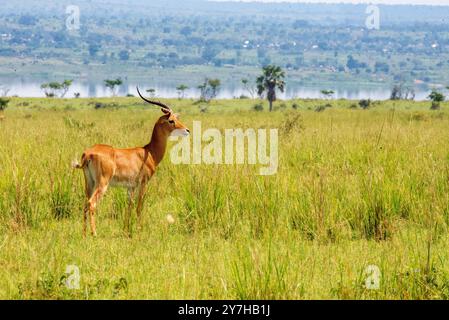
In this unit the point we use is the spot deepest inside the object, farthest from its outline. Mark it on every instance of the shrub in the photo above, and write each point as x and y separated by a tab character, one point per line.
99	105
258	107
365	103
435	105
292	122
321	108
3	103
203	108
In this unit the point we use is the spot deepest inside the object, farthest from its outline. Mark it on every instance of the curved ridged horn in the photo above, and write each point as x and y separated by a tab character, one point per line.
157	103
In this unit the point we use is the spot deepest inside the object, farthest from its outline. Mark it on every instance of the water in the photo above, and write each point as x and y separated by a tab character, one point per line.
29	88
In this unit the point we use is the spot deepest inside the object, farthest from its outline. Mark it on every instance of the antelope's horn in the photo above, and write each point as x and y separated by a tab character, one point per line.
157	103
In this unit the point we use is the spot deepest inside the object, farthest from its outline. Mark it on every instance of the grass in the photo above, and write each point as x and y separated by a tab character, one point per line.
354	188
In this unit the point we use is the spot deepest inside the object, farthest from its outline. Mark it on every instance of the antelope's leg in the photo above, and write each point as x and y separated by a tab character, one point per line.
140	201
131	192
89	184
85	213
100	190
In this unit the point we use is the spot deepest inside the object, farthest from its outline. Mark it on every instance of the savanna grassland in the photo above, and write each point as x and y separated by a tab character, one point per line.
354	188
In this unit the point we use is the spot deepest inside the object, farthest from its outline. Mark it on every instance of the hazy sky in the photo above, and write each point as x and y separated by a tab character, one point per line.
430	2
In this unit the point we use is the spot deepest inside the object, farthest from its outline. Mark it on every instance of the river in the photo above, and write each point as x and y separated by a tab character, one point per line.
24	88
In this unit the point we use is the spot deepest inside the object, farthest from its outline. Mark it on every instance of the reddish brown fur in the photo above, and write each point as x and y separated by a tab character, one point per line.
104	165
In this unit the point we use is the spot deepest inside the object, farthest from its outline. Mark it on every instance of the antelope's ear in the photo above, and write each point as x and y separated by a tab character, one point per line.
176	115
165	111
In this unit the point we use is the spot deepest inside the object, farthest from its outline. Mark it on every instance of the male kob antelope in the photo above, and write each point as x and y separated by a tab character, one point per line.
105	166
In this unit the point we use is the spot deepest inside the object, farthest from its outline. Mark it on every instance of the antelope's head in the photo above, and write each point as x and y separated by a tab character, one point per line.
169	122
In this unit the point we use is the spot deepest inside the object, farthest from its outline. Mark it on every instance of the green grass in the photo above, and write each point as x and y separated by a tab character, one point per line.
354	188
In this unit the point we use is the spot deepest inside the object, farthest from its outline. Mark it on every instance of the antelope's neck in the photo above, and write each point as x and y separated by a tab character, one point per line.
157	145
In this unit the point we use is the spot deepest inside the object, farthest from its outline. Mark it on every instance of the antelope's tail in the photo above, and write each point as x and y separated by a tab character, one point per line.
77	165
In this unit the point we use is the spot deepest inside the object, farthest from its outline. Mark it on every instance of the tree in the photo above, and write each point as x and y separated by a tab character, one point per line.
215	87
209	89
351	62
4	92
437	98
111	84
93	49
354	64
65	85
396	92
209	53
327	93
27	20
246	85
272	78
181	90
203	90
151	92
123	55
381	67
300	24
50	88
54	88
400	92
186	31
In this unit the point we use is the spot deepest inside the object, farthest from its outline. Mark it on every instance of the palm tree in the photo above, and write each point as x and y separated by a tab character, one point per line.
272	78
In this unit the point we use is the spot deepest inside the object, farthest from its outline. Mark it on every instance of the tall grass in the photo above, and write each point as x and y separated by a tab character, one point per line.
354	188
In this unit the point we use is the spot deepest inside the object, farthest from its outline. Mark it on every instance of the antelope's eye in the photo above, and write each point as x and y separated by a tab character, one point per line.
171	121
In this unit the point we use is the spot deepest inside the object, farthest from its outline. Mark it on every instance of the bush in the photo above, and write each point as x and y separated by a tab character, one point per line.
365	103
100	105
258	107
435	105
293	122
295	106
3	103
203	108
321	108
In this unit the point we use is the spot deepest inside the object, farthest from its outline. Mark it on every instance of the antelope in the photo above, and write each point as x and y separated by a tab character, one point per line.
105	166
